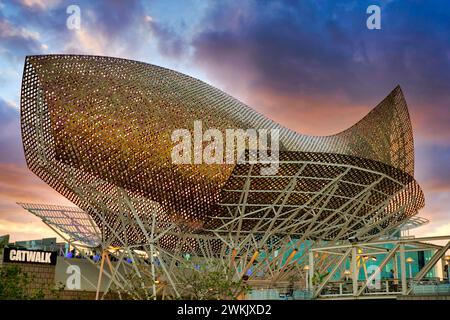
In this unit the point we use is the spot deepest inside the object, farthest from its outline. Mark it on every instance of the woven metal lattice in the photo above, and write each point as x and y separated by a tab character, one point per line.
318	196
70	220
91	124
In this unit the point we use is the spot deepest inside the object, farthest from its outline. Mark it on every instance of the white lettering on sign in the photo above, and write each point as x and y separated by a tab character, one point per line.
12	255
30	256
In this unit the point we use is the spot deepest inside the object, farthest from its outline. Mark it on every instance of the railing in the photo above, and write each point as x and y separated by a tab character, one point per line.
344	288
430	288
350	258
279	294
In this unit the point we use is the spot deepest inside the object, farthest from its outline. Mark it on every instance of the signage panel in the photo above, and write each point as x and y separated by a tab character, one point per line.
14	255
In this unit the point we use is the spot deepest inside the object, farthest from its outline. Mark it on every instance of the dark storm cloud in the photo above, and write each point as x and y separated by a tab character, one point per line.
170	43
116	18
284	45
435	173
321	47
10	142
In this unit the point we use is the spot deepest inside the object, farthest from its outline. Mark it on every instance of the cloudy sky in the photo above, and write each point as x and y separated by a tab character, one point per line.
313	66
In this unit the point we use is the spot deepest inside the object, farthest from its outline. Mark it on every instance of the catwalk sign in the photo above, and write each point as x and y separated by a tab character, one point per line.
29	256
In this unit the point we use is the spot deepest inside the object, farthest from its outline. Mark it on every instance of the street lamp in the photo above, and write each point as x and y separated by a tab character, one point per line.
306	268
347	273
447	259
410	260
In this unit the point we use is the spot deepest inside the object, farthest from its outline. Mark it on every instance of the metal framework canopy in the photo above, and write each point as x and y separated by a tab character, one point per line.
71	221
98	130
91	124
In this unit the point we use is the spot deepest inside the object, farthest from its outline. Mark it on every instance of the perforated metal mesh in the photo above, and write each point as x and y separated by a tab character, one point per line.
71	221
318	196
91	124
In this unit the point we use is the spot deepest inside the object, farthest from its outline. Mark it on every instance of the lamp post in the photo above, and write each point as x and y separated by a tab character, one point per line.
347	274
306	268
447	260
410	260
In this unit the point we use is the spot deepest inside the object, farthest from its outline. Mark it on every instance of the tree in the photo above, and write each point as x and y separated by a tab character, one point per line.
201	280
14	284
318	277
212	280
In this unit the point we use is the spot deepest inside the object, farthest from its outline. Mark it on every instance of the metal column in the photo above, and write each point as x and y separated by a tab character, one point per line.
403	269
354	271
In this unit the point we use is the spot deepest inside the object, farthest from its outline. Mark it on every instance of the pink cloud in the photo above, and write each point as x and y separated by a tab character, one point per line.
18	184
